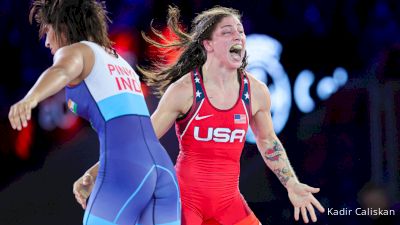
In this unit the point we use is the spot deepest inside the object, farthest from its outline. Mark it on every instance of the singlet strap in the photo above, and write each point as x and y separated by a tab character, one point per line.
246	94
197	87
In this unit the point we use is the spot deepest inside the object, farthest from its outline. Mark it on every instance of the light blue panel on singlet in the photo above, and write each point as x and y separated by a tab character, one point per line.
98	221
123	104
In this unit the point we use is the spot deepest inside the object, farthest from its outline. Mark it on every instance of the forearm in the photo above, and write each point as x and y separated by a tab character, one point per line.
276	159
49	83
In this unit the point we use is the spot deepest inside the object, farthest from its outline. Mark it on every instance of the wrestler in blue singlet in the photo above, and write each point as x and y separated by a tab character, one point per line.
136	183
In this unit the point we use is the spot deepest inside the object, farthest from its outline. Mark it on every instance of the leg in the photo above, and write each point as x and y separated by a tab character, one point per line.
120	200
238	213
167	206
189	217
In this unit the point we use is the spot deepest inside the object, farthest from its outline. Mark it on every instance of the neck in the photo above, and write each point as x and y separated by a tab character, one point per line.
217	75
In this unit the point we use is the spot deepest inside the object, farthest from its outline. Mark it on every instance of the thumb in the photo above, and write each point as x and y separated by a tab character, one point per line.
312	189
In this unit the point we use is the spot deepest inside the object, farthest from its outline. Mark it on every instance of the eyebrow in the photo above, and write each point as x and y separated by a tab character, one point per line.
229	25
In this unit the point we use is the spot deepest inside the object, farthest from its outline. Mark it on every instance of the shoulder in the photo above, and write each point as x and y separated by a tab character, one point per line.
74	50
183	86
179	94
260	95
258	88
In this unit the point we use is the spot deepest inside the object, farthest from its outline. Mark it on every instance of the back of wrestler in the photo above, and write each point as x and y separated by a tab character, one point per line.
136	181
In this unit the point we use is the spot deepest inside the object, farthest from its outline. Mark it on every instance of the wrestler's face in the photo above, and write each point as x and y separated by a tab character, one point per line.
228	42
51	41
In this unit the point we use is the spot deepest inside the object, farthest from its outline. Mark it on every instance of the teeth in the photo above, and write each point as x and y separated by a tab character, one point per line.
236	47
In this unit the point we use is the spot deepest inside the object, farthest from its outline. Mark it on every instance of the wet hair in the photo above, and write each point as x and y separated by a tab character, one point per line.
77	20
193	53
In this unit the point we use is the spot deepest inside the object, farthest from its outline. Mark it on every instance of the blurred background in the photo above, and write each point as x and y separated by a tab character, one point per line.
333	71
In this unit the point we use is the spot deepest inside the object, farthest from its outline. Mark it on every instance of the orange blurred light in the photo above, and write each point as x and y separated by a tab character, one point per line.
167	57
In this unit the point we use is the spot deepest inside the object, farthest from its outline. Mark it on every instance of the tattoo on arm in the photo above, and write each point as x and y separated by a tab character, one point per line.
274	153
284	174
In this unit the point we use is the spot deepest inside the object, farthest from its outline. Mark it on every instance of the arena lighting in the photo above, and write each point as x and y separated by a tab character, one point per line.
326	87
167	56
264	54
126	46
53	114
301	91
24	141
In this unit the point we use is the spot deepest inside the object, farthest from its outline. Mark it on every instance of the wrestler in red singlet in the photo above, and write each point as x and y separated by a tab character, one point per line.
211	141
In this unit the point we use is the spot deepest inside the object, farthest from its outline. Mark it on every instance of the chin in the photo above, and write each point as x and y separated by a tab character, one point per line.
236	65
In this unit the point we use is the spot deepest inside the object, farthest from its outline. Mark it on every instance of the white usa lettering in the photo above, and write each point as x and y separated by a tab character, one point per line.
223	135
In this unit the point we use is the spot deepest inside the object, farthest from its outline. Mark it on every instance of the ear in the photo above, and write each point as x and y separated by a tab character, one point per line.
208	45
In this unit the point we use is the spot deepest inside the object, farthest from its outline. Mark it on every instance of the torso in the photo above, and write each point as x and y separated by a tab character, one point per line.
211	140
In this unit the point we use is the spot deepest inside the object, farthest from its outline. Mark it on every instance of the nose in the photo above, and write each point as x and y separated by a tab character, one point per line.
237	35
47	42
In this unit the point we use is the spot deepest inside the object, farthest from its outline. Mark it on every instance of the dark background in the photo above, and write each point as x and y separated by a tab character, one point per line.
348	145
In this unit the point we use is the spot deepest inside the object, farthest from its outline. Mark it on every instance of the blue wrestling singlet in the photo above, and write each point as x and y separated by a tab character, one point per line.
136	183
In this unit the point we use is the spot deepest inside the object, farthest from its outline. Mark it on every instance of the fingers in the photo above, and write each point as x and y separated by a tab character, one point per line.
14	119
27	111
22	115
296	213
317	204
82	201
81	189
19	115
79	193
311	211
304	214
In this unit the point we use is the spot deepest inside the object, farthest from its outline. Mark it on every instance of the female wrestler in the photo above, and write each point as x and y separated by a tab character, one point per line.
136	182
212	99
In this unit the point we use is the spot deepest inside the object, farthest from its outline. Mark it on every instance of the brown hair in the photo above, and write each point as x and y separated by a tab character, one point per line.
193	53
78	20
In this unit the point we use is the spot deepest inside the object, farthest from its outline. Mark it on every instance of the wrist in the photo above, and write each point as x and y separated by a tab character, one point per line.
291	183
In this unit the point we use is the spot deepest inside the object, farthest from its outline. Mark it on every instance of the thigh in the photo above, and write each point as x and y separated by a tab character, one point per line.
190	217
167	206
238	213
120	201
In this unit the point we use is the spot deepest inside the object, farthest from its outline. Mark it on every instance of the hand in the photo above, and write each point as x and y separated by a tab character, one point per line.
302	198
20	112
82	188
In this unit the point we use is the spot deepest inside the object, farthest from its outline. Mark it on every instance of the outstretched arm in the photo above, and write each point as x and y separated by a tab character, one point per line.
67	66
275	156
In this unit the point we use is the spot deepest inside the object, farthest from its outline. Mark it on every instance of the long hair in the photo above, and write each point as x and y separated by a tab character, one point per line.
193	53
77	20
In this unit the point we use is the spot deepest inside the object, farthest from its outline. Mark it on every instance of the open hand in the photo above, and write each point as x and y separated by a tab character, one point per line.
303	200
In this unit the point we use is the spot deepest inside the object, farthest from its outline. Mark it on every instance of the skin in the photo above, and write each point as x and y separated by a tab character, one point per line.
220	80
71	64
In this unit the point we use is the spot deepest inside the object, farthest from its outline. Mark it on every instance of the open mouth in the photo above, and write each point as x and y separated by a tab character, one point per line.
236	51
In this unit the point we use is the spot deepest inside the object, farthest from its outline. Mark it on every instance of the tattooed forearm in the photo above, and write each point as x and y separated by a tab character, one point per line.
274	153
284	174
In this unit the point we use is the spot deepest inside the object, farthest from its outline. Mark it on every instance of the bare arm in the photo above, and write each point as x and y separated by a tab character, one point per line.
175	102
271	149
67	66
274	155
